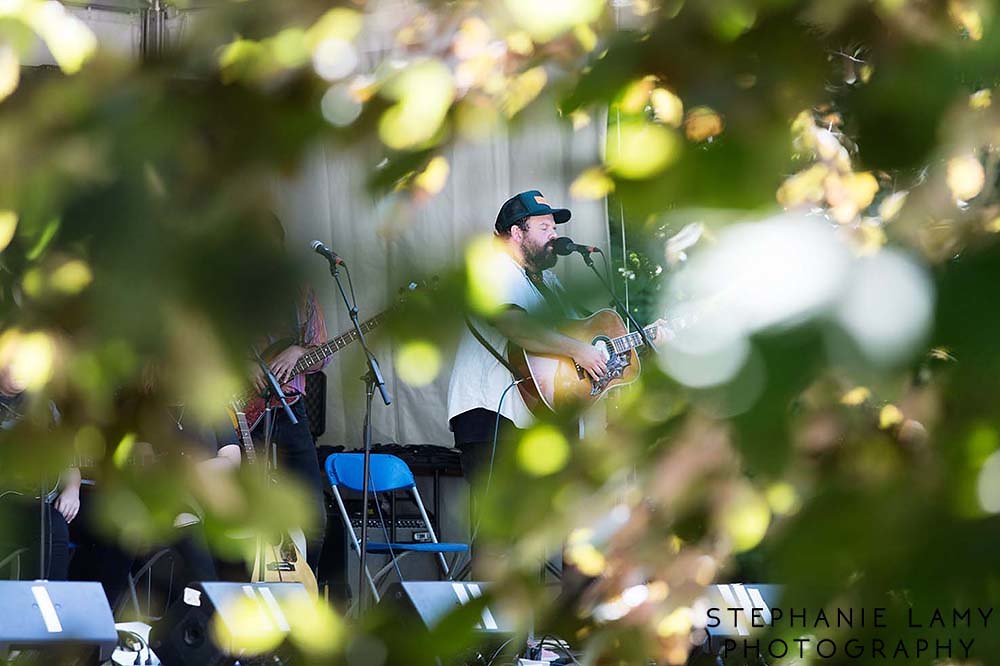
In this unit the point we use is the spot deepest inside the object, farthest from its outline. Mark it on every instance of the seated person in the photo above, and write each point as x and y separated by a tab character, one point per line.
21	499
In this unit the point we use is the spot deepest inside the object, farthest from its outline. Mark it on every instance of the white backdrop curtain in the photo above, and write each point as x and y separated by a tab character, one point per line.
389	241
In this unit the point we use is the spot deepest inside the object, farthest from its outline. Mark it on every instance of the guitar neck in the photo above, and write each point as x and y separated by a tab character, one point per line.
324	351
633	340
243	428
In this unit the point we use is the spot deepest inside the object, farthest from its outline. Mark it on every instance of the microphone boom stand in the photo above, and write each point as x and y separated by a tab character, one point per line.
614	298
373	379
272	390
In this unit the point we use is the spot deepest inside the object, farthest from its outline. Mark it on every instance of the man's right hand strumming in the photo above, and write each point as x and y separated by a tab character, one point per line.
591	359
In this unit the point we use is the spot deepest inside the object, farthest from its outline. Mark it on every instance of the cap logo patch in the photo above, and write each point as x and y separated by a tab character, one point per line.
540	199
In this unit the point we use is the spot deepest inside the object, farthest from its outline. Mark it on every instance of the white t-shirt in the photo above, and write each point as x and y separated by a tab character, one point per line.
478	378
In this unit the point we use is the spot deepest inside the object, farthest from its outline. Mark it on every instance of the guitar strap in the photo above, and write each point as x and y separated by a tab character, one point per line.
485	343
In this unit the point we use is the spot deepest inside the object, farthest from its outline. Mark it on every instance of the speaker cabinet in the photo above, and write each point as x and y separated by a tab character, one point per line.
426	603
55	616
185	635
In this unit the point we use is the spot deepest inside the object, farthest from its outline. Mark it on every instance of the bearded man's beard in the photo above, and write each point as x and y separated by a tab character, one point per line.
539	257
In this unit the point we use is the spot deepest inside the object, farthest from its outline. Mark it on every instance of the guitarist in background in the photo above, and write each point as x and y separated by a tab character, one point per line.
19	511
296	449
530	293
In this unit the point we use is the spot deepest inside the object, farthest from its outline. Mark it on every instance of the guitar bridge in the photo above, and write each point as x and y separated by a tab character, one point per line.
616	368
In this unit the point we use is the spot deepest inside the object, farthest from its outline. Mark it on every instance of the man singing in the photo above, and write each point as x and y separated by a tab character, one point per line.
529	292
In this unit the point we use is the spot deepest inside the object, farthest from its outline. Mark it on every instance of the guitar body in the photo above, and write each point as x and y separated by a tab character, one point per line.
283	562
254	408
556	383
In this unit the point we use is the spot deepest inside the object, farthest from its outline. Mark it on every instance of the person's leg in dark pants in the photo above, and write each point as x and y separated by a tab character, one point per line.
297	458
474	437
57	544
98	556
23	529
197	563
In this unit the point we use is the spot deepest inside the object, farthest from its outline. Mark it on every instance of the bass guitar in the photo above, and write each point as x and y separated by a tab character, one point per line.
253	406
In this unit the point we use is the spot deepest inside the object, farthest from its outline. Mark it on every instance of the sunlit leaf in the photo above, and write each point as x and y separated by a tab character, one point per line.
638	149
542	451
289	48
733	19
966	17
591	184
783	498
483	260
677	623
586	36
315	627
472	37
248	627
29	358
849	194
69	39
10	71
476	119
668	107
124	449
434	176
856	396
8	225
546	20
941	354
424	91
418	362
522	90
702	124
872	239
48	233
889	416
71	277
519	42
804	187
89	443
238	58
338	23
981	99
636	95
581	552
580	119
891	205
965	177
745	519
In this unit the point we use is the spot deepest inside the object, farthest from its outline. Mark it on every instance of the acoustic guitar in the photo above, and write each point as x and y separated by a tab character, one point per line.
283	561
556	383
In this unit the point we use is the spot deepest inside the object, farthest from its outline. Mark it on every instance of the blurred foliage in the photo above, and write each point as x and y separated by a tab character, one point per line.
135	226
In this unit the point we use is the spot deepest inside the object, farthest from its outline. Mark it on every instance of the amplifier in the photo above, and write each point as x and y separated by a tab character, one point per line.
405	529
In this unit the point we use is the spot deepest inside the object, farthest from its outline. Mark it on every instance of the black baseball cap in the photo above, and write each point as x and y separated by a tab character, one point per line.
525	205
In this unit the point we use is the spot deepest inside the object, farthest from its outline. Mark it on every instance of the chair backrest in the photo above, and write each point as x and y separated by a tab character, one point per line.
387	472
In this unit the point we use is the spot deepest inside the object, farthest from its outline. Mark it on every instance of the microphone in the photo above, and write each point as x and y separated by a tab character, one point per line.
330	255
564	246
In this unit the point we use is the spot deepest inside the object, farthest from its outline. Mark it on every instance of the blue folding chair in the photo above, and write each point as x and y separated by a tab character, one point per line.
387	474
